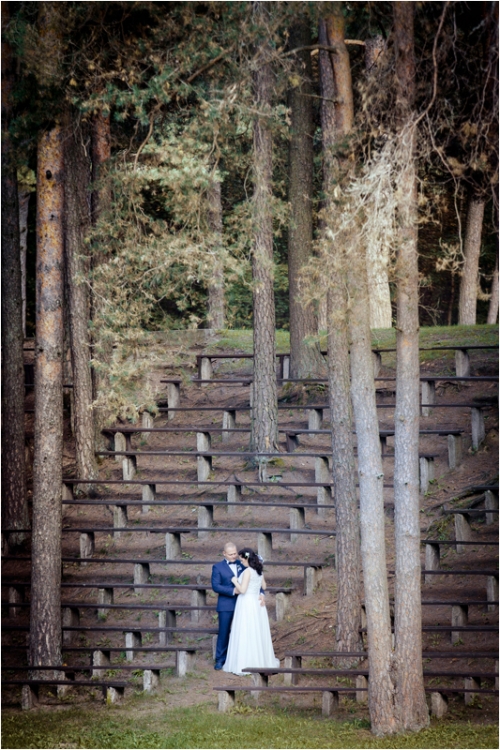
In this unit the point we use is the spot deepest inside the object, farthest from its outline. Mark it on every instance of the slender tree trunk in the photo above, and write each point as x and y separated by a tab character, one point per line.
493	308
216	303
14	500
449	317
77	225
101	346
467	301
45	630
411	706
371	503
305	358
377	255
24	202
343	467
265	398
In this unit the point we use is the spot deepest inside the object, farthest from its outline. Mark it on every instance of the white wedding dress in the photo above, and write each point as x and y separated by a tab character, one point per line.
250	643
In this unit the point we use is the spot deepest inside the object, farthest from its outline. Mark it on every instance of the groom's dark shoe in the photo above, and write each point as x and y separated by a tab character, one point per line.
218	665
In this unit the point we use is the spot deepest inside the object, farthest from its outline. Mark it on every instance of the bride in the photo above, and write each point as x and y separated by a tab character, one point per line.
250	643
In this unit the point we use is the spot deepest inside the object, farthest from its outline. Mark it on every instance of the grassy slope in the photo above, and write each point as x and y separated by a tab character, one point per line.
139	727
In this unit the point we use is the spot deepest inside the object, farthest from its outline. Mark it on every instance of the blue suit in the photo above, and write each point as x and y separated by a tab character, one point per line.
226	603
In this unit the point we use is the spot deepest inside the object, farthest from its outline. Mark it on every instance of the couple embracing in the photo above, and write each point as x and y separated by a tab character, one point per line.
244	638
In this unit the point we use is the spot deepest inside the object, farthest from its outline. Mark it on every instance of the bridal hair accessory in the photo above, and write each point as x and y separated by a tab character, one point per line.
260	558
246	555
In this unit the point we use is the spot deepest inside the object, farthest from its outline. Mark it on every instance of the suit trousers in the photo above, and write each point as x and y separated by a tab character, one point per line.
225	620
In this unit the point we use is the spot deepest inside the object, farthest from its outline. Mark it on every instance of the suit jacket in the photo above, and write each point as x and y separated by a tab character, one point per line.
221	584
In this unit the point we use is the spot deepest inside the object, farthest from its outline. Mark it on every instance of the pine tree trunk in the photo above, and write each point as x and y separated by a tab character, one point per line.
493	308
411	705
467	301
343	468
371	503
305	359
377	255
14	500
101	347
216	304
24	202
265	401
45	628
77	225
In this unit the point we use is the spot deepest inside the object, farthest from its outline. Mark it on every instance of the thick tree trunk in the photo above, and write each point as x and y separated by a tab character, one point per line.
216	303
24	202
14	500
371	503
343	467
265	397
45	628
377	255
411	706
493	308
467	301
77	225
305	358
101	347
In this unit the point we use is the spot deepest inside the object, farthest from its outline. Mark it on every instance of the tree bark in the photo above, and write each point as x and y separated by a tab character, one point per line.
77	225
343	467
371	503
377	256
101	347
493	307
305	358
265	400
23	196
411	706
467	301
14	500
216	303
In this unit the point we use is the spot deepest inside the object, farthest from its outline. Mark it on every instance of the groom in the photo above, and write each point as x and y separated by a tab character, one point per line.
222	573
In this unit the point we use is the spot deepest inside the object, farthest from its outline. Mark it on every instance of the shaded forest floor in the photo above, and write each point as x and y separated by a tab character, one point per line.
183	712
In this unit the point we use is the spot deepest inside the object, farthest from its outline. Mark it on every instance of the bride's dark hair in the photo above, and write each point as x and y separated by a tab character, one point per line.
253	559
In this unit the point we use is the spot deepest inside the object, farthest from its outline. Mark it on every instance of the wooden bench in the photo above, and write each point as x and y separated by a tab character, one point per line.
433	549
463	530
112	690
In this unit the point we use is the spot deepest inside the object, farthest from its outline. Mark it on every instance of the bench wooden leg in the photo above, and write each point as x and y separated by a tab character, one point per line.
361	682
114	694
292	442
377	363
104	596
100	659
141	575
129	467
312	578
228	423
282	602
119	444
70	618
172	545
198	599
184	662
233	496
462	363
285	367
292	662
166	619
315	419
477	427
173	398
471	683
205	369
29	697
204	464
259	680
428	396
297	521
87	544
120	519
460	618
432	559
16	596
147	422
426	473
490	503
439	705
492	592
265	545
330	702
463	531
454	451
150	680
322	475
205	519
133	640
226	700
